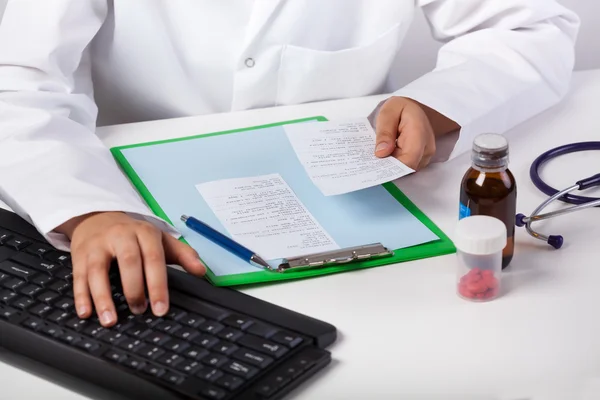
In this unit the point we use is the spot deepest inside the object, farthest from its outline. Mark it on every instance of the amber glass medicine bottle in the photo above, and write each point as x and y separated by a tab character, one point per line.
489	188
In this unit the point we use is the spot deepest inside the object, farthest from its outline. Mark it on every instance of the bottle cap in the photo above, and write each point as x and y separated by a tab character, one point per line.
480	235
490	150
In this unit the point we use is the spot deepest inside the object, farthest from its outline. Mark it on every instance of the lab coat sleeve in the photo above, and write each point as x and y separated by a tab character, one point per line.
502	62
52	165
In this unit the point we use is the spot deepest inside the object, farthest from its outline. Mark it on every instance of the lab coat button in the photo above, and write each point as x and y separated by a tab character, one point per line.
249	62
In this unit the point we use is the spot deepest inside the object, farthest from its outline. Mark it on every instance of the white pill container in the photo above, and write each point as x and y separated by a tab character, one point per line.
479	242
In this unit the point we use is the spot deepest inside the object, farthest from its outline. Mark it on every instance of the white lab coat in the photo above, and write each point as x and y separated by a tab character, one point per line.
65	64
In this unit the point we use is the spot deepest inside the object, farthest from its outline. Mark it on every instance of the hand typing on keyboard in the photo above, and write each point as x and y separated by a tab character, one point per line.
142	252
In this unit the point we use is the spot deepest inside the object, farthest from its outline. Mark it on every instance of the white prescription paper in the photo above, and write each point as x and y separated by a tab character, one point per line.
263	214
339	156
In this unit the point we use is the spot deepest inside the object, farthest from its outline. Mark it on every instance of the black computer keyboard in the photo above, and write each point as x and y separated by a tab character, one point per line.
215	343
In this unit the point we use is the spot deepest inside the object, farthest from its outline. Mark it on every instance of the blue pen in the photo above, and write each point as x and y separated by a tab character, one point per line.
224	241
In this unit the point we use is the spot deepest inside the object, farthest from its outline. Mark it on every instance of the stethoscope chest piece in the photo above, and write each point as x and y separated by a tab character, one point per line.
580	202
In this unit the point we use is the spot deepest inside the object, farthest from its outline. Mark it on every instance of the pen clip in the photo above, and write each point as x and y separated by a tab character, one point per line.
336	257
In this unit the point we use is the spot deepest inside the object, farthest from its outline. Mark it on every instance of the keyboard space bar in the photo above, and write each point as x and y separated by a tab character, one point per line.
198	306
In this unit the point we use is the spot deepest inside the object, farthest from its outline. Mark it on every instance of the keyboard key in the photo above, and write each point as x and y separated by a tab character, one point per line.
64	304
87	345
95	330
230	334
157	338
153	370
66	274
266	389
225	348
229	382
262	330
263	345
52	330
130	344
195	353
175	313
123	325
186	333
287	339
48	297
40	310
38	250
134	363
35	262
204	309
33	323
191	320
151	352
170	359
292	371
4	276
240	369
14	269
253	358
22	303
209	374
60	286
5	236
18	243
175	345
70	338
173	378
167	326
238	322
8	312
59	257
77	324
7	296
13	283
115	355
215	360
138	331
213	393
189	366
30	290
149	320
206	341
111	337
43	280
59	316
6	253
210	327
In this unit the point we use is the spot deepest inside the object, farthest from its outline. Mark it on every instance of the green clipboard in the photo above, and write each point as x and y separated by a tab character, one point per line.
439	247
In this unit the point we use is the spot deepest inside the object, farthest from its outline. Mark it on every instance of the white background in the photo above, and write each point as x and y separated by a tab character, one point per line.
420	49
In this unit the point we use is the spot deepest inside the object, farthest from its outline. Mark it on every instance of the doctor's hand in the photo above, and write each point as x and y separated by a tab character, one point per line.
142	252
407	130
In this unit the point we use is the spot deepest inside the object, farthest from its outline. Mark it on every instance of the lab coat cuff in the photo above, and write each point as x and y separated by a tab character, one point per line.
46	226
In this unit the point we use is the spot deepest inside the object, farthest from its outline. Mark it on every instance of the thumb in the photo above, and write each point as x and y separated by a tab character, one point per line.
182	254
386	129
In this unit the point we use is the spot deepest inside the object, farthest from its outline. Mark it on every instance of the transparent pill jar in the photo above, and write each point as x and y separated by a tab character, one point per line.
479	242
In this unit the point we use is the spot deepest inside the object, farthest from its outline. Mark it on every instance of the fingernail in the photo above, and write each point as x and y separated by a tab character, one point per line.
160	308
138	308
106	317
82	310
381	146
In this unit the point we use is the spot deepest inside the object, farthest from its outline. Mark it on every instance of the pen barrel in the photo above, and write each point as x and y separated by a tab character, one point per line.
219	238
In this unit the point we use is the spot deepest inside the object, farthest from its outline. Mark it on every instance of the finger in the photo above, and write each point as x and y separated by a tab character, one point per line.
129	259
386	128
81	291
155	268
411	144
424	162
98	264
182	254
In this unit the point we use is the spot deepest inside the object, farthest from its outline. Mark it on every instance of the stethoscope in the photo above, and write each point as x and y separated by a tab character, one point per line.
580	202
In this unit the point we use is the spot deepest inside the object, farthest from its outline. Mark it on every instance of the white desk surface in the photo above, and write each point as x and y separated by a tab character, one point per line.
403	332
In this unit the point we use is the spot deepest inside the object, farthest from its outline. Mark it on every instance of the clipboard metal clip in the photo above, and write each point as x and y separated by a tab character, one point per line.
336	257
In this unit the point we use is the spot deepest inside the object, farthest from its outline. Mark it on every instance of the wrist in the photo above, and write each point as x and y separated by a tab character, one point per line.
68	228
441	124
